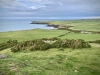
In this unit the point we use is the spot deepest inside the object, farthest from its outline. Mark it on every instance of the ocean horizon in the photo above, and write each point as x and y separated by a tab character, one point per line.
21	24
24	24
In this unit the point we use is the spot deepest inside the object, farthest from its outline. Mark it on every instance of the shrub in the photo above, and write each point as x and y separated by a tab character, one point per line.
39	44
96	41
57	44
67	43
32	45
8	44
79	43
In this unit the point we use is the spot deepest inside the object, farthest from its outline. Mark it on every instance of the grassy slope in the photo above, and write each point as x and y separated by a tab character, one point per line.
39	33
30	34
53	61
90	25
86	37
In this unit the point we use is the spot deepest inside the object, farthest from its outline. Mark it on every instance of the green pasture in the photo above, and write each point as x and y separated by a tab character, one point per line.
30	34
54	61
89	25
40	33
86	37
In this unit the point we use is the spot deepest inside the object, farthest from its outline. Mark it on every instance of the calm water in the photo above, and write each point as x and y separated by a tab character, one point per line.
19	24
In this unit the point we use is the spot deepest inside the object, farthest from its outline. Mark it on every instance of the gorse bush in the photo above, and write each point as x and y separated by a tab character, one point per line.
32	45
57	44
96	41
67	43
8	44
79	43
41	44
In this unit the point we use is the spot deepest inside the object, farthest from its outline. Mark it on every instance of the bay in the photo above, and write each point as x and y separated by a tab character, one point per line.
20	24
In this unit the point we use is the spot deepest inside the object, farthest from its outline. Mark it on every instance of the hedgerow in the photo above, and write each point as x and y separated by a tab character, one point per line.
67	43
44	44
96	41
32	45
41	44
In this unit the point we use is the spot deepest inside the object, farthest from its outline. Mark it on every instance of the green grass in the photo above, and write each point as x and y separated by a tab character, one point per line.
39	33
86	37
52	62
30	34
89	25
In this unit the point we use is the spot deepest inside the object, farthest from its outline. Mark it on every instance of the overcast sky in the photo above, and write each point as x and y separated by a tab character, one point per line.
49	8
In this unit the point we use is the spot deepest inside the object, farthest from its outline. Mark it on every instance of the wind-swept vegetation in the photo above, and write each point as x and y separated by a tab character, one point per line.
88	25
48	52
8	44
34	45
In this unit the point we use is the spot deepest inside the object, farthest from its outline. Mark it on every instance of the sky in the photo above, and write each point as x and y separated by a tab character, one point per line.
50	9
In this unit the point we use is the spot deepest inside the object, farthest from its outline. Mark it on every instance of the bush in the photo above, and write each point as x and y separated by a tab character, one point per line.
79	43
8	44
34	45
96	41
40	45
57	44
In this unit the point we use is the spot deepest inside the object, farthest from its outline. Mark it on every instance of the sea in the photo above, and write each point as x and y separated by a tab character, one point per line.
20	24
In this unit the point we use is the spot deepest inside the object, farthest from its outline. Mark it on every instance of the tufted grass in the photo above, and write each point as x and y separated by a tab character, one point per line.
52	62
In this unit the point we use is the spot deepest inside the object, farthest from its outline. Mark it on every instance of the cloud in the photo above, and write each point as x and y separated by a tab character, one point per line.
9	3
35	1
37	7
47	8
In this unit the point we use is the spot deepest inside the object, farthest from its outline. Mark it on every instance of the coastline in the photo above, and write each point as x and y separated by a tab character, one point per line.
7	25
63	27
47	24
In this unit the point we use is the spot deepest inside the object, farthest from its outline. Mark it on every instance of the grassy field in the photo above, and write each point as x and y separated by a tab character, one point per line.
53	61
30	34
39	33
89	25
86	37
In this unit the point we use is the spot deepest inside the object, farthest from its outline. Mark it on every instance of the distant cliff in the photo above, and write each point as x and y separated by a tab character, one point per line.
48	24
39	22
